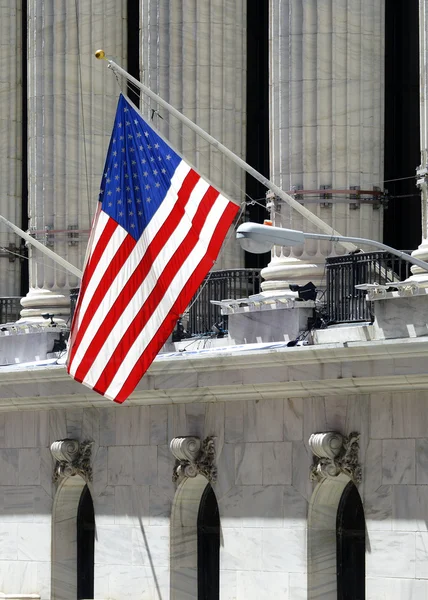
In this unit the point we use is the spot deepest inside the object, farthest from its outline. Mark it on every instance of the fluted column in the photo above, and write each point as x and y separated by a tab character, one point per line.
193	54
422	172
326	114
11	143
71	105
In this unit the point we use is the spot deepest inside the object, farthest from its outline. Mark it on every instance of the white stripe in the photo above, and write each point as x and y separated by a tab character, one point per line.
155	223
107	256
94	235
163	308
97	228
144	290
137	255
128	267
120	234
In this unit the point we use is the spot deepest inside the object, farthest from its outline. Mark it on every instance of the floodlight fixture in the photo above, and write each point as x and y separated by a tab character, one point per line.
257	238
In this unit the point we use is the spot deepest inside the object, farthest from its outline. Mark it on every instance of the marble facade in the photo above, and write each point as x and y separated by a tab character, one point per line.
326	105
71	107
11	155
263	490
194	56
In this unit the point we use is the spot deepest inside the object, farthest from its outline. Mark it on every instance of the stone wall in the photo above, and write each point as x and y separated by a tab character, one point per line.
263	490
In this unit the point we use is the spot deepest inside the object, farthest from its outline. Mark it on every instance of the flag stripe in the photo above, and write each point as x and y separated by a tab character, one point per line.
118	308
115	255
150	291
109	289
110	239
121	392
98	226
157	232
104	260
165	310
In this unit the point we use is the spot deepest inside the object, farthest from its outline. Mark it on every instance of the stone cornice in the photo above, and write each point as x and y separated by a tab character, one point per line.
352	368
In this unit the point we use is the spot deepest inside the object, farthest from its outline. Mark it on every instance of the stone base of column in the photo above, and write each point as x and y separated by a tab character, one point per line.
39	302
420	276
281	272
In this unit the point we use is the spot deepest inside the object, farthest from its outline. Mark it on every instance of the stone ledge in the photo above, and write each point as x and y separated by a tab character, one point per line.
19	596
335	369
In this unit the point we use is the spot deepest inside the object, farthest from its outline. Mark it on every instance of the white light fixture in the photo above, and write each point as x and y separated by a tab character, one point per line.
258	239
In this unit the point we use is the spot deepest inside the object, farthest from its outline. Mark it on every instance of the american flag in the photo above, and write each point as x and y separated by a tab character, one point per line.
157	232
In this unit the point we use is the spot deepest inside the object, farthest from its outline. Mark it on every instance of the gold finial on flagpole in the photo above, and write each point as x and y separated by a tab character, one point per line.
100	54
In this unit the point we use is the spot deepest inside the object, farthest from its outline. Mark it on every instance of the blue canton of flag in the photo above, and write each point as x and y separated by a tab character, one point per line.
138	171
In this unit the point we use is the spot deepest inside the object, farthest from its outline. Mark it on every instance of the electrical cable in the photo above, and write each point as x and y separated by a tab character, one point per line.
79	62
39	262
400	179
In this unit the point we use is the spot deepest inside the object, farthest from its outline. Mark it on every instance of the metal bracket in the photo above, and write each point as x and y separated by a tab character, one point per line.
272	204
295	192
326	197
72	235
49	238
356	197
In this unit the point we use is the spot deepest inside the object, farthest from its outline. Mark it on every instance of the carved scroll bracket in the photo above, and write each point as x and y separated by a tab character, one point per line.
193	458
71	458
335	454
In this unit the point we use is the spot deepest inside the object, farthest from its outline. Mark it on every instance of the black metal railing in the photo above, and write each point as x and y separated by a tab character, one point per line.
344	303
220	285
74	293
10	309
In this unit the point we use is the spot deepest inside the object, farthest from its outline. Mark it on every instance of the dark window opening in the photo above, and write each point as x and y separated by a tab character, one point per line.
208	547
133	48
257	145
351	543
85	546
402	222
24	284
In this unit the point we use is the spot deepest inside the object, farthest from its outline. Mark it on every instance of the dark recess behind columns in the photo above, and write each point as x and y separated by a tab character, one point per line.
402	227
24	174
133	47
257	148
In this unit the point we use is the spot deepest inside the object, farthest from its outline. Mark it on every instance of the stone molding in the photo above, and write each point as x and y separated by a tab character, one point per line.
335	454
364	367
193	457
19	596
71	458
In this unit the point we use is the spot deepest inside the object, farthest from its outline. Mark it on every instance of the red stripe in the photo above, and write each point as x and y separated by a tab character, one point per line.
106	280
150	304
180	305
90	266
137	277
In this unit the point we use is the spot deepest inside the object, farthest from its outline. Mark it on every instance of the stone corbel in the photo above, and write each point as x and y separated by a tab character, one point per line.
335	454
193	458
71	458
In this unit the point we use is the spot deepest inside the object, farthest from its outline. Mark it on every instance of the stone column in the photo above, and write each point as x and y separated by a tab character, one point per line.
193	54
11	144
71	105
422	171
326	114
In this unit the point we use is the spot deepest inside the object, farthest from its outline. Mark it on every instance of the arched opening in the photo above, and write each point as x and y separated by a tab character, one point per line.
335	502
208	527
350	541
195	541
64	585
85	545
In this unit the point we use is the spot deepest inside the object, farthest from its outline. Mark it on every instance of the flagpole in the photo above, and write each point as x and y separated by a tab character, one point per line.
55	257
310	216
